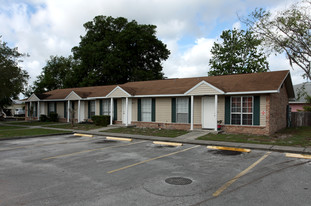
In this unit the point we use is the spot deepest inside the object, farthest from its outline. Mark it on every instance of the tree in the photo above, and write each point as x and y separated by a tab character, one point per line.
115	51
239	52
12	79
57	74
287	31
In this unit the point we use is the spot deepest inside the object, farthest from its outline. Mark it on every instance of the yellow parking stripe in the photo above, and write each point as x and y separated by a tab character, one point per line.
119	139
226	185
90	150
229	148
303	156
83	135
168	143
148	160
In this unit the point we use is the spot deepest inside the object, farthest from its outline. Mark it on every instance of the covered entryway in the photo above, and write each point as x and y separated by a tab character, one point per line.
209	117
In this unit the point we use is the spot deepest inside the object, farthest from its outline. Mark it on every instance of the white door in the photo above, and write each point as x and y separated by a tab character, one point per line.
209	116
129	108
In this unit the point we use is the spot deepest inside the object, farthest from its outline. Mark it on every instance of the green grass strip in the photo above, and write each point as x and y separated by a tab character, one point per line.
28	132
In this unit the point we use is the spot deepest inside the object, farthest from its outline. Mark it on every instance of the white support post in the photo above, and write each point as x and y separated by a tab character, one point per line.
38	110
191	127
79	108
111	111
126	111
68	109
216	104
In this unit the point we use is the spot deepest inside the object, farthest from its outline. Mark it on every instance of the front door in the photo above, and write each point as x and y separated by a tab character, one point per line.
129	112
209	116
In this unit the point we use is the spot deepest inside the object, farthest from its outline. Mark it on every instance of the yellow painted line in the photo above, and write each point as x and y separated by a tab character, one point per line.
303	156
148	160
83	135
90	150
45	144
168	143
227	184
229	148
119	139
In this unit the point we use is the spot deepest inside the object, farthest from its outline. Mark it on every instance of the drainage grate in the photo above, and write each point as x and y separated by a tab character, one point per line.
178	181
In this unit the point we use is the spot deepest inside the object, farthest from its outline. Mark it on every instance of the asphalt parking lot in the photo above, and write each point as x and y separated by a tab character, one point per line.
71	170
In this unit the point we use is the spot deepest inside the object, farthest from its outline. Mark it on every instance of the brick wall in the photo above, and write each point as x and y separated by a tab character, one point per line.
236	129
166	125
278	105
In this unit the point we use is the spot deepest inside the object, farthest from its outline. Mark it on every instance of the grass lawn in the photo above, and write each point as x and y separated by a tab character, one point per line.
148	131
77	126
28	132
288	137
34	123
5	127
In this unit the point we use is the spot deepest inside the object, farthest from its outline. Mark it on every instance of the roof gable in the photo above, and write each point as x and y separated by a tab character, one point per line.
73	96
33	98
118	92
204	88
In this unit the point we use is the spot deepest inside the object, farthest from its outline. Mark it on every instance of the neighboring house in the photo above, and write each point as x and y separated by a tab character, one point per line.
298	104
16	109
245	103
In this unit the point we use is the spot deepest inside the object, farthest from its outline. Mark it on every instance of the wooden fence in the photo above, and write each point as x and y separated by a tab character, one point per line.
299	119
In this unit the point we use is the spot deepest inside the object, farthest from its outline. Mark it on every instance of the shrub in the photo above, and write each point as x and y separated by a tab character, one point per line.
101	120
43	118
53	117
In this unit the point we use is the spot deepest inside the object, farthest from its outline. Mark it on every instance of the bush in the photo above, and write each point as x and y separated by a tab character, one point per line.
53	117
43	118
101	120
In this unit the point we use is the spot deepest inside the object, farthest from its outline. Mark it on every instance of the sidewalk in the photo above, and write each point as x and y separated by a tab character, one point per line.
190	138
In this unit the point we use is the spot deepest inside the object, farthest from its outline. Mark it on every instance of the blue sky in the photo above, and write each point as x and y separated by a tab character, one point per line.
43	28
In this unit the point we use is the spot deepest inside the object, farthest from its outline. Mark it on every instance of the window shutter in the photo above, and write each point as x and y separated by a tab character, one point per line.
115	111
48	108
89	109
189	111
101	107
227	110
256	112
28	109
173	109
153	109
65	110
55	103
138	109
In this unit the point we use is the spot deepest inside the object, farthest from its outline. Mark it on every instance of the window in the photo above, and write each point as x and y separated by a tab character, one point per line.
106	107
146	109
51	107
92	108
182	109
242	110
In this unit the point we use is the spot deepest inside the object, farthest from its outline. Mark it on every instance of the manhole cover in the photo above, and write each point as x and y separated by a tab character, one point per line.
178	181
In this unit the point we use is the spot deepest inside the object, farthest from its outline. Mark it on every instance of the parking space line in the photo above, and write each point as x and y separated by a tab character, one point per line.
227	184
148	160
176	144
302	156
229	148
45	144
91	150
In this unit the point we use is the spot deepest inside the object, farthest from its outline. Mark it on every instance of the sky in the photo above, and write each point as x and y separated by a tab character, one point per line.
189	28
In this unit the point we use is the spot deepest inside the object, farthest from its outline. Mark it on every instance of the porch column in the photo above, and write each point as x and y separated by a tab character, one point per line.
68	113
191	113
216	104
126	110
111	111
79	107
38	108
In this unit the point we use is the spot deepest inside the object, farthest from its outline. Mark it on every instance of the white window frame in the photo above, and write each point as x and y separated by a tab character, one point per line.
241	112
178	100
146	109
